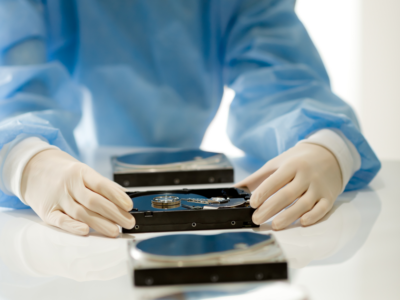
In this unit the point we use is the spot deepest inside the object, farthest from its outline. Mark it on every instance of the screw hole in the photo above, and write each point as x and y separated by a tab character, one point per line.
233	223
136	226
259	276
214	278
194	224
149	281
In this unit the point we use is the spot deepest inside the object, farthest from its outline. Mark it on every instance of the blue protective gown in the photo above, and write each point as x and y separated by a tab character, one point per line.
156	71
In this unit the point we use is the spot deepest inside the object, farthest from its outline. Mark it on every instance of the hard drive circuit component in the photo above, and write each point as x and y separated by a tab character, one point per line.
186	209
192	258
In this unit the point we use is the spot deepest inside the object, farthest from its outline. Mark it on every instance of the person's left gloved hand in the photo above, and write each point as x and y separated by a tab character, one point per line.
307	172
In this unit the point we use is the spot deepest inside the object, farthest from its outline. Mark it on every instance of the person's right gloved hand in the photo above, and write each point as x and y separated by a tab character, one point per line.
70	195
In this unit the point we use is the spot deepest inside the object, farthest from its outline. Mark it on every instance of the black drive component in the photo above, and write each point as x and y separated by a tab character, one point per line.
188	258
187	209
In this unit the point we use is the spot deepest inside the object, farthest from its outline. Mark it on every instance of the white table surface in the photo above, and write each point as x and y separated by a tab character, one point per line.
354	253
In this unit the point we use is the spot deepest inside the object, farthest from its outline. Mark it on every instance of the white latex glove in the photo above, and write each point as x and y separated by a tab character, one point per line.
307	172
70	195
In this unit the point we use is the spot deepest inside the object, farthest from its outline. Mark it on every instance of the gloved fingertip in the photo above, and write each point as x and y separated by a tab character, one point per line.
133	223
278	225
256	220
275	226
253	203
114	233
129	223
126	201
121	188
128	205
305	221
79	229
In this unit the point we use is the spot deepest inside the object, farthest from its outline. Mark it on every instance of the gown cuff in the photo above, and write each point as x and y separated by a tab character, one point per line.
16	160
346	154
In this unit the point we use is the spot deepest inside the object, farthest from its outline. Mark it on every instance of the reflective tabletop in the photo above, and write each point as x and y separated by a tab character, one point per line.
353	253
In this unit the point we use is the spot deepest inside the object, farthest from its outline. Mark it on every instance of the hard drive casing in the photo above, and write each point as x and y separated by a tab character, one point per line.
179	167
263	263
153	220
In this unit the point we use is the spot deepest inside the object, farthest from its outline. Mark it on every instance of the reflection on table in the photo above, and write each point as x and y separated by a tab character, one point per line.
37	259
337	237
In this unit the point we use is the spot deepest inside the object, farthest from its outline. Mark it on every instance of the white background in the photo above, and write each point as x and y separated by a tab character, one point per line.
359	42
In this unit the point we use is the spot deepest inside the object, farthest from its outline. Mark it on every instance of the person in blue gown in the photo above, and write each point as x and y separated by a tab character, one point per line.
155	72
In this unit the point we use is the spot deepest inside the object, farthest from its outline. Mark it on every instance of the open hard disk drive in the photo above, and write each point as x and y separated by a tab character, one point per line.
191	209
215	258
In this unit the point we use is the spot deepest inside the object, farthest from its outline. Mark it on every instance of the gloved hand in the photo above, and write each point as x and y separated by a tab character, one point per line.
307	172
70	195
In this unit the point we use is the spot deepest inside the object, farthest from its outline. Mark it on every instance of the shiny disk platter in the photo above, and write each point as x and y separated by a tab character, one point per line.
191	209
171	167
192	258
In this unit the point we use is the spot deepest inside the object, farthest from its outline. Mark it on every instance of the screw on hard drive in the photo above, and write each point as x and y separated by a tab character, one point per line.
136	226
233	223
214	278
126	183
259	276
194	224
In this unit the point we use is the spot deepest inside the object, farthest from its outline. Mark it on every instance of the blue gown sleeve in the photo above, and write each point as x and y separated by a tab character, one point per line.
282	89
37	98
